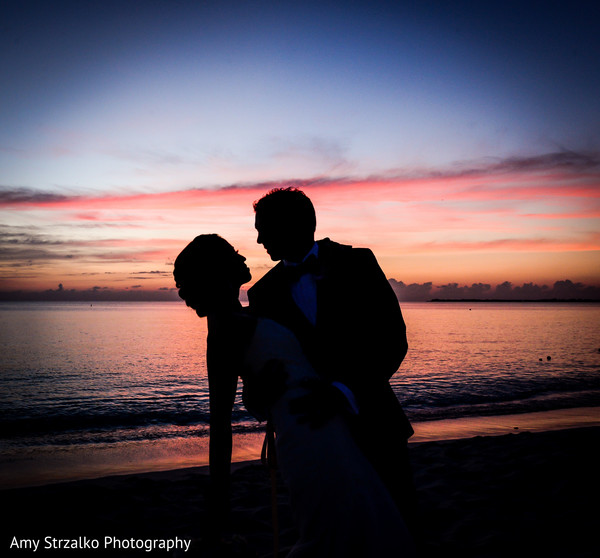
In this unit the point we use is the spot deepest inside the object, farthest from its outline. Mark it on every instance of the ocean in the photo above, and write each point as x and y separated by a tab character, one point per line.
111	388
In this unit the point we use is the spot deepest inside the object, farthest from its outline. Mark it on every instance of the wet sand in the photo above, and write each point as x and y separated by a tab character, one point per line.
522	494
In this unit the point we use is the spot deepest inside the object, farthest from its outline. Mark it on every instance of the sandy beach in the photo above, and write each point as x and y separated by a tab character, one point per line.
522	494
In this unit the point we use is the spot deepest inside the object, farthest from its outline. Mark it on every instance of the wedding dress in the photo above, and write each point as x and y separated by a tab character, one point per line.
340	506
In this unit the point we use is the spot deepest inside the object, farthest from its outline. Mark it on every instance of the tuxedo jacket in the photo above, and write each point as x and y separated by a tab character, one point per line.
359	338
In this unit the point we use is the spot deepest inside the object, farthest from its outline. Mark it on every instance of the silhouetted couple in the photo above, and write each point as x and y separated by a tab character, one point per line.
316	348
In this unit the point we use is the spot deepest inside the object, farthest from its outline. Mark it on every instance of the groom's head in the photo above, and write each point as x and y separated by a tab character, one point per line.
285	220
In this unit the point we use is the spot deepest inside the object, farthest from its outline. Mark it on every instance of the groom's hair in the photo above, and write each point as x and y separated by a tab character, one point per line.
288	205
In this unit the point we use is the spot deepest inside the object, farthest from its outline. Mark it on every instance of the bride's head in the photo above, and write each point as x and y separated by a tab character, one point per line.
208	273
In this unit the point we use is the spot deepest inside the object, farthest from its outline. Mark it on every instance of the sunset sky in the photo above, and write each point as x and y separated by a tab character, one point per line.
458	140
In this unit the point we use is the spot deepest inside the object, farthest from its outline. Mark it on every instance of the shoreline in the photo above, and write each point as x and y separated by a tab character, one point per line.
497	425
148	457
521	494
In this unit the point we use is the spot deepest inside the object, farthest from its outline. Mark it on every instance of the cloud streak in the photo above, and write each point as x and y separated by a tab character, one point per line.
581	171
590	242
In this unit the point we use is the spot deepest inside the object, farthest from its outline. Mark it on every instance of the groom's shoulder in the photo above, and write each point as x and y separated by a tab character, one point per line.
334	251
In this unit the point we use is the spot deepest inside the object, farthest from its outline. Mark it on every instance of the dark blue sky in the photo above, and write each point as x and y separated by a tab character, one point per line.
362	86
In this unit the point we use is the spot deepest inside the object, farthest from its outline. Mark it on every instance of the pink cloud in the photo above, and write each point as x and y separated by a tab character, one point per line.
590	243
581	214
100	217
477	185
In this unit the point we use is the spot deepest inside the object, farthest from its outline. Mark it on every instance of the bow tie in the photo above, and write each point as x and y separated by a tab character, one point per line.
294	272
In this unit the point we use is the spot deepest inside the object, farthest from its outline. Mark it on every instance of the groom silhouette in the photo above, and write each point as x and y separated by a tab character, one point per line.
339	304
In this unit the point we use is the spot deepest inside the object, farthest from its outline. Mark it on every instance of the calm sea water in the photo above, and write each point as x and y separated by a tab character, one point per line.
128	380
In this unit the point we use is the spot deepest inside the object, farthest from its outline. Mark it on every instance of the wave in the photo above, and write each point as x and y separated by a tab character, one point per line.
69	423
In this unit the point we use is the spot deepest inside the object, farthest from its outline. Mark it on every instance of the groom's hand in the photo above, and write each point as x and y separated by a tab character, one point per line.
319	405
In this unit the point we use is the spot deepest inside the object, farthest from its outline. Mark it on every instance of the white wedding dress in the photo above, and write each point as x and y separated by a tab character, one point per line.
340	506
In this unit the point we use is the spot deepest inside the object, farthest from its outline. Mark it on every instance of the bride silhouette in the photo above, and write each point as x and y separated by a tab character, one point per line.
339	504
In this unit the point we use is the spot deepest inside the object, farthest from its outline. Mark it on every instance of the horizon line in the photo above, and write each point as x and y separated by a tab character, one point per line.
566	290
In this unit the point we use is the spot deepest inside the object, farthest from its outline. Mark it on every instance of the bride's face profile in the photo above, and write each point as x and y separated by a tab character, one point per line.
241	269
209	272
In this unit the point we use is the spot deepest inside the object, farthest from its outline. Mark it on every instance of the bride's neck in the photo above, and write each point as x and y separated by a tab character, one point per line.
225	312
233	327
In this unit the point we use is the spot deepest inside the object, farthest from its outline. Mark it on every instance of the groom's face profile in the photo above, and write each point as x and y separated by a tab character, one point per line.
282	239
271	236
